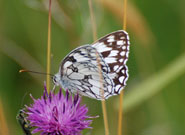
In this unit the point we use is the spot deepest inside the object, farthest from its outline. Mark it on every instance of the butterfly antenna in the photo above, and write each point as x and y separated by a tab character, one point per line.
23	98
23	70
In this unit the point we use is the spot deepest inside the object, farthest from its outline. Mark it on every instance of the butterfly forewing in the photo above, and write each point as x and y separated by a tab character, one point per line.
114	49
79	72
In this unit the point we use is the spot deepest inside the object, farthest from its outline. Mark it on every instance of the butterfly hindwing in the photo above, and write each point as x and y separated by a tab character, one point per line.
114	49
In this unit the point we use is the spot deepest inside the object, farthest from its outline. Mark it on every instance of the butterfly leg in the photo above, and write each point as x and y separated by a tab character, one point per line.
53	90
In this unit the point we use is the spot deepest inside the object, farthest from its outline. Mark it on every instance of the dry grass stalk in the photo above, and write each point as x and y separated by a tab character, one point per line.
120	115
49	48
99	69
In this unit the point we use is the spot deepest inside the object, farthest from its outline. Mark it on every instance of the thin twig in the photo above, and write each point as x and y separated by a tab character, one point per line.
102	96
120	113
105	117
49	48
99	69
125	15
120	116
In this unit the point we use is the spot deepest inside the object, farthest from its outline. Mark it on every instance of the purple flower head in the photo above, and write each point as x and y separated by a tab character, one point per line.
56	114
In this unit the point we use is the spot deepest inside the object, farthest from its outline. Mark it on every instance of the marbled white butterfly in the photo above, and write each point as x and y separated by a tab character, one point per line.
79	72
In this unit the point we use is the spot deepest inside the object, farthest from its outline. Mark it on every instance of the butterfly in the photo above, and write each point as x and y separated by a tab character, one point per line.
100	66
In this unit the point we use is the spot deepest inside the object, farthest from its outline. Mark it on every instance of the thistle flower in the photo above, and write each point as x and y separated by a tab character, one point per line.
56	114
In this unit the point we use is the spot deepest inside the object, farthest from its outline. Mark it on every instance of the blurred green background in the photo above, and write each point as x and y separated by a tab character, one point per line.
154	96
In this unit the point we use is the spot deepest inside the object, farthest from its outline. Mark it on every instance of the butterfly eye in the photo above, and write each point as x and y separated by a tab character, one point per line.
56	79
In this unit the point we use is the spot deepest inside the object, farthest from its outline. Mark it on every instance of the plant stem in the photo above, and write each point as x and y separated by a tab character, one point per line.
49	48
99	69
120	115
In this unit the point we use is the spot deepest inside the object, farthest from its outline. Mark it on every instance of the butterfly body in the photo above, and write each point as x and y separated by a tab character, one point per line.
79	71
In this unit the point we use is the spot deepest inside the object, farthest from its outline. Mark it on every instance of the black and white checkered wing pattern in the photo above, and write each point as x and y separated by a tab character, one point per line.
114	49
79	73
